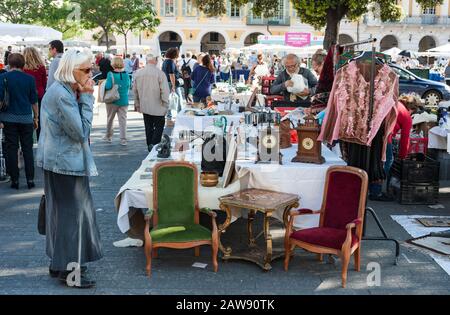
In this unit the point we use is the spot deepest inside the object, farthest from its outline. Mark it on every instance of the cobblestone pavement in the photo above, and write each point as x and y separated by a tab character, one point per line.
24	265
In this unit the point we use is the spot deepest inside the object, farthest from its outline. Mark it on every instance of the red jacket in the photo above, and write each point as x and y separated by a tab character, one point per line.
40	75
404	122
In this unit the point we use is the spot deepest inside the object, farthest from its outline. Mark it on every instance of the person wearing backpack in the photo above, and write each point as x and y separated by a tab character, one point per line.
186	70
122	79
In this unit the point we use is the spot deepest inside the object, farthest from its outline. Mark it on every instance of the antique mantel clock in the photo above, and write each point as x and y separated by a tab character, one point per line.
309	149
268	146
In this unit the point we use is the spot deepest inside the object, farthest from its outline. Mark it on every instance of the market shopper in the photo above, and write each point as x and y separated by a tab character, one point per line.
35	66
202	79
104	66
283	81
317	61
407	105
6	55
259	70
151	98
19	119
120	107
56	51
173	74
447	73
72	234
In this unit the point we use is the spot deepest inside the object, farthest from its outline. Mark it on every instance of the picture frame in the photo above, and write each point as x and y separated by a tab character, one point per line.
230	163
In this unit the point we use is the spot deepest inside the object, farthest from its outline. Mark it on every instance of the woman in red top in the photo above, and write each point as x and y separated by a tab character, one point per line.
406	106
35	66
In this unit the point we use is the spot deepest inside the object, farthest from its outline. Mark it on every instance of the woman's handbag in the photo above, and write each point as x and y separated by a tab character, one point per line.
193	89
112	95
41	216
5	101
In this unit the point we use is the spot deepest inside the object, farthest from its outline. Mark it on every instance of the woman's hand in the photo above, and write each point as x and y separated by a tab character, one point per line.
36	123
88	87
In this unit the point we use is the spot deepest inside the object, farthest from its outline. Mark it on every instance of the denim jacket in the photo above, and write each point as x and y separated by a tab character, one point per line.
65	127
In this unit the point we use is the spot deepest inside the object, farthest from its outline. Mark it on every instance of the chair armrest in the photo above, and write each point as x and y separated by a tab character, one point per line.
148	214
353	224
209	212
303	212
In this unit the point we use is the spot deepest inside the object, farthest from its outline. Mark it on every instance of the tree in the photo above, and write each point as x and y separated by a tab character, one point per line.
98	13
43	12
319	14
134	15
20	11
64	17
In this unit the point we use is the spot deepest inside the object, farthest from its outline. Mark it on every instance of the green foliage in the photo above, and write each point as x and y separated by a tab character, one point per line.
19	11
219	7
134	15
429	3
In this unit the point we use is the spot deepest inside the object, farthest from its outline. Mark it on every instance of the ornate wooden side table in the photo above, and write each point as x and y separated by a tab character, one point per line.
265	201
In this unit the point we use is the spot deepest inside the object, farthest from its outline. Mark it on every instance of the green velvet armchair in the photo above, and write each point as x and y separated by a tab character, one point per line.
176	213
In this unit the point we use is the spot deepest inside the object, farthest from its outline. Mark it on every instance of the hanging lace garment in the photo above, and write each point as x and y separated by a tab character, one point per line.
348	105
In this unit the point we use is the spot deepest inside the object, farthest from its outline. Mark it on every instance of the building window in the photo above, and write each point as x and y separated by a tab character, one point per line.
429	11
235	11
168	7
279	13
188	8
213	37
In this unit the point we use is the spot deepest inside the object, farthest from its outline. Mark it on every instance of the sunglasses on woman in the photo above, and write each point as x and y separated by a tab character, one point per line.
86	70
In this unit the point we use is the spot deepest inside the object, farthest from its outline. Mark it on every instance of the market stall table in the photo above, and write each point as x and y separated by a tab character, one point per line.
303	179
266	202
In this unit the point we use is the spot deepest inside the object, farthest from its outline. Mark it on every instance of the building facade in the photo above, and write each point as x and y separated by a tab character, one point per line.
183	26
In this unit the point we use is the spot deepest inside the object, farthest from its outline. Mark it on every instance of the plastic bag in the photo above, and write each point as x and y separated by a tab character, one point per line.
300	84
173	101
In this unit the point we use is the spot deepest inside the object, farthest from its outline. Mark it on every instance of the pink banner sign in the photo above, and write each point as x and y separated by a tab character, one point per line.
297	39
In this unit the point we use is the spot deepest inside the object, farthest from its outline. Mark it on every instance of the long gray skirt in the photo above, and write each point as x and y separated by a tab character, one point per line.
71	229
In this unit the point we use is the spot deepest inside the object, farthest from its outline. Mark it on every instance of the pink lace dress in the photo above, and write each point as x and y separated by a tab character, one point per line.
348	105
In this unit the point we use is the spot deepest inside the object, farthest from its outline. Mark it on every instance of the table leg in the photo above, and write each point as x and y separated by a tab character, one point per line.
222	229
268	237
251	218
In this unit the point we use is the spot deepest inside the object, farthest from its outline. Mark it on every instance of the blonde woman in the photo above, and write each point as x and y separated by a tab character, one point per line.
72	234
35	66
119	107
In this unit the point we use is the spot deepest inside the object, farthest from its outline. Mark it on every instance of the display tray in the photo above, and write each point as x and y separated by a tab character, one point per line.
435	222
436	244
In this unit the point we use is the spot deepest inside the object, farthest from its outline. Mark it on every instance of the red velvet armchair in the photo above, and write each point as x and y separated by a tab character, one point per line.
341	219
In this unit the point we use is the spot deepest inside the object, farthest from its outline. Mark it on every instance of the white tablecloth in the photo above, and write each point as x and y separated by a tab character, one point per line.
305	179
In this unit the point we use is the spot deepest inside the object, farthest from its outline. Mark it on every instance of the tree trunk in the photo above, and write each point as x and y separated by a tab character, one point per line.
332	29
126	44
107	38
334	17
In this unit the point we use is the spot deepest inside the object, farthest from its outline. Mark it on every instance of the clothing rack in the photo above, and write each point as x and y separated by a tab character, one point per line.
2	159
371	105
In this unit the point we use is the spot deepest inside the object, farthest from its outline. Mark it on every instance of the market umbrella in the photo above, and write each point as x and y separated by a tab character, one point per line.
408	53
393	52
